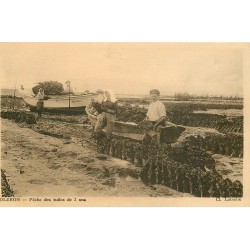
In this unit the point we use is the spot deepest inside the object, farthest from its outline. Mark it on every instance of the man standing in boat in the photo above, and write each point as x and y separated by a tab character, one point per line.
156	110
155	117
40	102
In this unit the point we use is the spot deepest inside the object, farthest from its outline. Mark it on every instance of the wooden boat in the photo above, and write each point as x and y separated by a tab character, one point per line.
168	134
59	103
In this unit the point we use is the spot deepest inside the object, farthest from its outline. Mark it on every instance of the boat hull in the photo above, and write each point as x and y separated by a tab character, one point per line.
61	104
121	127
168	134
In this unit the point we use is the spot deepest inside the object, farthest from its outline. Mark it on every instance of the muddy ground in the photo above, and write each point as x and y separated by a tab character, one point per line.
42	165
56	157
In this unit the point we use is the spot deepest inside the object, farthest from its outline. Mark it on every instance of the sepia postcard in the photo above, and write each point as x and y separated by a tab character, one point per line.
125	124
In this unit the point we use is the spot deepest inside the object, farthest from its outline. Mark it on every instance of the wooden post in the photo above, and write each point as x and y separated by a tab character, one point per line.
69	95
68	85
14	101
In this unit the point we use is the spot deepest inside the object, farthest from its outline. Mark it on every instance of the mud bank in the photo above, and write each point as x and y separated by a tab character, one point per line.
6	191
42	165
79	133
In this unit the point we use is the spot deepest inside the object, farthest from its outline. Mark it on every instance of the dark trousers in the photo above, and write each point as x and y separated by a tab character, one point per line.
39	107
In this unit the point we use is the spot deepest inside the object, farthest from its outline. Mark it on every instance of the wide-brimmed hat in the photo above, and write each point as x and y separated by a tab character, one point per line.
154	91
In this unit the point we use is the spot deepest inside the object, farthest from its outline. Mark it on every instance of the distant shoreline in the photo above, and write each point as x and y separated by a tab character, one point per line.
138	96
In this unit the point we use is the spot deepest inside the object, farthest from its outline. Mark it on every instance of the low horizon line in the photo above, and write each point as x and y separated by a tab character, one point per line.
165	95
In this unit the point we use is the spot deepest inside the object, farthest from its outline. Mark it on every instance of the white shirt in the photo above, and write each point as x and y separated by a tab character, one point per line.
156	110
40	96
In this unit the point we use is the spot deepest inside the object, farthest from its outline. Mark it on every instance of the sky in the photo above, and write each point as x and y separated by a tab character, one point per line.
127	68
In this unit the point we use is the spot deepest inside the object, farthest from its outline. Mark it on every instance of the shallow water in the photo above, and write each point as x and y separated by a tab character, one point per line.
227	112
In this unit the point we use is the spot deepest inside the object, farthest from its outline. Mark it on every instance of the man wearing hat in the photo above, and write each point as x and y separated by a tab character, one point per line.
156	110
155	117
40	102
